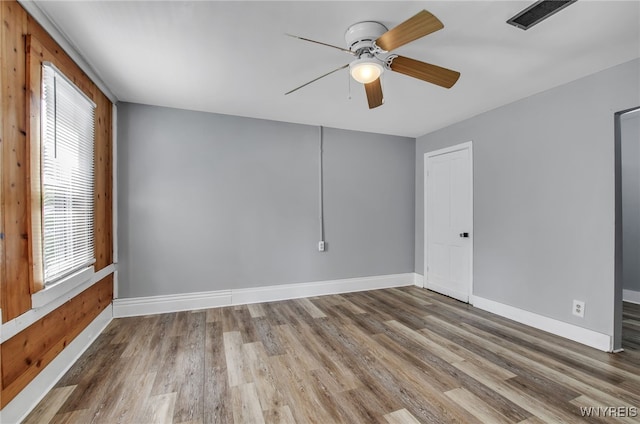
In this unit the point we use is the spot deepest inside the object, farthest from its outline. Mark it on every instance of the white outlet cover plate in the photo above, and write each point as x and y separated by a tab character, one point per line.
578	308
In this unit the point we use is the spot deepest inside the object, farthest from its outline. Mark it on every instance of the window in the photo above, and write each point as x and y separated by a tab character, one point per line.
67	176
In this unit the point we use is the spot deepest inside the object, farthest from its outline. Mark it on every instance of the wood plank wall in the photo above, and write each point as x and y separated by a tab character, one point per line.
16	298
23	356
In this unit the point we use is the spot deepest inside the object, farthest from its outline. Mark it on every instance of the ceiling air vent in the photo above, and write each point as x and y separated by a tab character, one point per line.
538	12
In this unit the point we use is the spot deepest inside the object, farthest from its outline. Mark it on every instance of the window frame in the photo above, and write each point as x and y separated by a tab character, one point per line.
37	54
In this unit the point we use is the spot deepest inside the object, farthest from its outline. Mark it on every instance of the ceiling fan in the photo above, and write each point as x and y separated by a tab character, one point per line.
371	43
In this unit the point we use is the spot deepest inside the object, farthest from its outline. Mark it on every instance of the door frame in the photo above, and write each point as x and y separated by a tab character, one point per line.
458	147
618	289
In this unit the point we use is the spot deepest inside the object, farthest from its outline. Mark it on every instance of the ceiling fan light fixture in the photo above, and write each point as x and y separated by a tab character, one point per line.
365	70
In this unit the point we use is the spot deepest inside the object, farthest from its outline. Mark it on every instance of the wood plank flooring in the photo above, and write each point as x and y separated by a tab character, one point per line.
631	326
403	355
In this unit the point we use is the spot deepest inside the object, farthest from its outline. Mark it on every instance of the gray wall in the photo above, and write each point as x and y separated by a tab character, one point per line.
211	202
544	196
630	148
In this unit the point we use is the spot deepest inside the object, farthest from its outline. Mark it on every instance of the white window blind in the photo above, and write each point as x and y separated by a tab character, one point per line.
67	176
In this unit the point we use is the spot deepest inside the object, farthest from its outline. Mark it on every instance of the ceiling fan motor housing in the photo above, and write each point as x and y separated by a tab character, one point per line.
360	37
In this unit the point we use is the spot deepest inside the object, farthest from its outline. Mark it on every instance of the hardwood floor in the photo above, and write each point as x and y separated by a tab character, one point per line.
404	355
631	326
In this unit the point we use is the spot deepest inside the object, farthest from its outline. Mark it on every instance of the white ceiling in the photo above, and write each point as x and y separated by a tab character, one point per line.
233	57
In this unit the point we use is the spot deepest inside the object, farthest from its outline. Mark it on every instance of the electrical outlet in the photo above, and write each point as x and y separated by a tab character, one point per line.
321	246
578	308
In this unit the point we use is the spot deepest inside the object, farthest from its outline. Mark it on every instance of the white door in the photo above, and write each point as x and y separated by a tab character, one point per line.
448	221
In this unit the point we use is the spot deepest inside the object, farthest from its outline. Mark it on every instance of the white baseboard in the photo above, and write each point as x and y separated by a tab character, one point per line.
318	288
136	306
204	300
560	328
28	398
631	296
418	280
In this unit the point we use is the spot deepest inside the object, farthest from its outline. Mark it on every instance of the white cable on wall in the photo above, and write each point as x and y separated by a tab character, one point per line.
321	194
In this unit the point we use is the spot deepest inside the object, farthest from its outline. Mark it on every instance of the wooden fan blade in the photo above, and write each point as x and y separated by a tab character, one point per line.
425	71
374	93
316	79
423	23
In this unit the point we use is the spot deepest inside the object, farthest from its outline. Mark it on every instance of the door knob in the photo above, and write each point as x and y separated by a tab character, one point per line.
464	235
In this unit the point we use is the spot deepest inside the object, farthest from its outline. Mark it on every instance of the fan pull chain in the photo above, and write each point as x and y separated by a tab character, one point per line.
349	84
